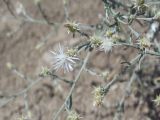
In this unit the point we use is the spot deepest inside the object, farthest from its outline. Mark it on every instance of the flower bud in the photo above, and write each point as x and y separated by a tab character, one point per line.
99	93
72	26
71	52
96	41
45	71
73	116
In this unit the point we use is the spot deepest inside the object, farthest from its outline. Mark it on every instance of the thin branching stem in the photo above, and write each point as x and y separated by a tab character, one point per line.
73	86
115	79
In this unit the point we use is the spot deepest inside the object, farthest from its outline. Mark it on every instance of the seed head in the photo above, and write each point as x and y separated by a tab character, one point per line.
107	44
109	33
72	52
62	60
73	116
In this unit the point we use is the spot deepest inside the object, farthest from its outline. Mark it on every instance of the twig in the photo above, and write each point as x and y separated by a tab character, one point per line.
73	86
60	78
115	79
120	107
43	14
153	3
66	9
149	52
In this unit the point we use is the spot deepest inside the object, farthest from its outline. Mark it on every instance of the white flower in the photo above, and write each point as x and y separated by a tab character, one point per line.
106	45
63	61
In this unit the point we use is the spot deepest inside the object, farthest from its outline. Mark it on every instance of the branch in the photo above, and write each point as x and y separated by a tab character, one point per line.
73	86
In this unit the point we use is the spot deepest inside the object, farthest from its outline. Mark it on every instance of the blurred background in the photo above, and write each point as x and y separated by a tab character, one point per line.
25	41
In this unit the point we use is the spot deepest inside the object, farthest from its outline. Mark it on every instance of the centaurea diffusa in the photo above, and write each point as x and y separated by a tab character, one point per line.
98	95
102	42
144	43
63	60
107	44
72	26
96	41
73	116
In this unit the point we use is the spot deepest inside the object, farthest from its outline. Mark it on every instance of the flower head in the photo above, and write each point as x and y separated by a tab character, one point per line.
62	60
71	52
73	116
101	42
99	93
110	32
45	71
107	44
72	26
144	43
96	41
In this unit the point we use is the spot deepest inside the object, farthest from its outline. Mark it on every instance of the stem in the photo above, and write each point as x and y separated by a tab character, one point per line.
61	78
66	9
146	19
44	15
153	3
73	86
24	91
149	52
107	87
